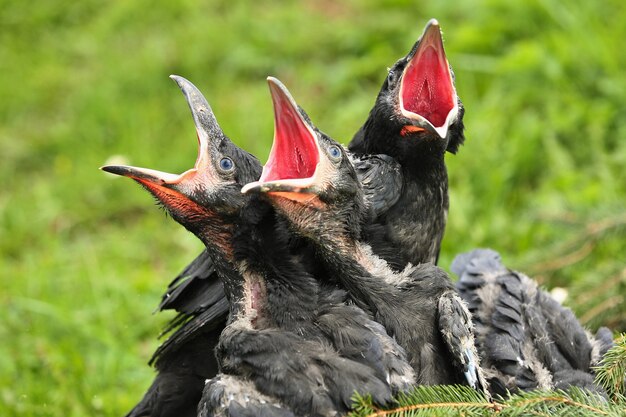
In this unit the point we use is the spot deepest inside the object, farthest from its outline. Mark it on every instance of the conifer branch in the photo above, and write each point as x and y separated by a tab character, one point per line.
558	399
380	413
611	372
430	401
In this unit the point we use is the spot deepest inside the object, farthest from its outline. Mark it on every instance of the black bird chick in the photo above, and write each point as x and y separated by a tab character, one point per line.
187	359
416	118
317	189
525	338
290	344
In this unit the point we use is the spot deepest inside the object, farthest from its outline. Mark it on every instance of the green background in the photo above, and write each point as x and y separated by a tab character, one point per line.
86	256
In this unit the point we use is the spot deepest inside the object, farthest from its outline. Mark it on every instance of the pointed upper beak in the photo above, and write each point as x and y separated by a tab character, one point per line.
431	37
207	127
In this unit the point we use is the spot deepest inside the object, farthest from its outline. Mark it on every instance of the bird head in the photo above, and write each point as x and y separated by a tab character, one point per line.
308	176
418	99
211	190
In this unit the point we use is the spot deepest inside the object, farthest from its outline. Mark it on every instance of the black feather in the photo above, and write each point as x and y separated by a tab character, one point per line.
527	338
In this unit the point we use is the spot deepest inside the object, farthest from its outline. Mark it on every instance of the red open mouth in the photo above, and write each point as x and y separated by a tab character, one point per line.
294	153
426	88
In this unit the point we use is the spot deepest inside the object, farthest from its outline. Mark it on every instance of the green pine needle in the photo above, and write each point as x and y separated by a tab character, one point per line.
448	400
611	373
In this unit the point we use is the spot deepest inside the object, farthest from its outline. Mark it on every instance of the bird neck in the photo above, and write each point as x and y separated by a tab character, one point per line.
277	289
321	224
424	160
350	262
415	150
216	232
417	221
217	236
244	292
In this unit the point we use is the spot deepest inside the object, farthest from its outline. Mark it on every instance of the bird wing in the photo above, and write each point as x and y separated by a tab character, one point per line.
381	178
186	359
356	336
527	338
183	362
175	392
566	331
496	299
194	289
211	321
455	324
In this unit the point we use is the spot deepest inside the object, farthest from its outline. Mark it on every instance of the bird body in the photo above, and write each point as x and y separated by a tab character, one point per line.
526	338
416	118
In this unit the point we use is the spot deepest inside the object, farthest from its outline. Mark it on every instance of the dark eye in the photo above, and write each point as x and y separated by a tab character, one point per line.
334	152
391	77
226	164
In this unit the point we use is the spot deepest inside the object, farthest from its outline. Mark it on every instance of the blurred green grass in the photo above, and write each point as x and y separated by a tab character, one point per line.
85	257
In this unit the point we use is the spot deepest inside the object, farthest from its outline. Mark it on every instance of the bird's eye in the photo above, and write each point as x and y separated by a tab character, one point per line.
391	77
226	164
334	152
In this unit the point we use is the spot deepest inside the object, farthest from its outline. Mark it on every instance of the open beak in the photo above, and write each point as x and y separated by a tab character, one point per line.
427	94
292	169
165	185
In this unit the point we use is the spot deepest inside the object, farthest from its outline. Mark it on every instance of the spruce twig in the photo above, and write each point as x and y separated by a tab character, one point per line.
462	401
611	372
